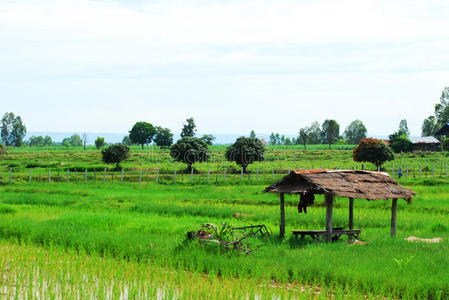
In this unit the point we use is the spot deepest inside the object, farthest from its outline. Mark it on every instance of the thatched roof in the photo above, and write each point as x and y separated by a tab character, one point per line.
346	183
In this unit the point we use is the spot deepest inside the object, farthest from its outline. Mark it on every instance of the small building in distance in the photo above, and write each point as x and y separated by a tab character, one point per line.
425	143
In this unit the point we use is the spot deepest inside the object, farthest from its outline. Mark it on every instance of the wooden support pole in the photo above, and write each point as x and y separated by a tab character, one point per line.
140	175
85	176
394	208
68	175
157	176
351	213
191	175
174	178
329	206
104	176
224	175
10	175
282	225
257	175
29	177
123	175
241	174
49	176
208	175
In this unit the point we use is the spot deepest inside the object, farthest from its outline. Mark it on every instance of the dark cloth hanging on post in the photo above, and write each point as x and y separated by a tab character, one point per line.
305	200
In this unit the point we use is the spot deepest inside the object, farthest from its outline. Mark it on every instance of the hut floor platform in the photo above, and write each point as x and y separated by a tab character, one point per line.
316	235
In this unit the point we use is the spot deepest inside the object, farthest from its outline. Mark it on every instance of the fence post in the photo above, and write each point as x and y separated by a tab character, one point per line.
191	175
392	171
208	173
224	175
406	171
10	175
29	177
272	173
288	171
49	176
378	168
446	170
140	175
257	175
68	175
157	176
363	167
85	176
433	171
241	174
174	177
104	176
420	170
123	175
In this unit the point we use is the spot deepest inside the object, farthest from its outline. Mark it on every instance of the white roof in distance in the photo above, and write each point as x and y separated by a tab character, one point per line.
424	140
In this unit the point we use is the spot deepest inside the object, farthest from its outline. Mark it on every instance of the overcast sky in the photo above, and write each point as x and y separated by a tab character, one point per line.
100	66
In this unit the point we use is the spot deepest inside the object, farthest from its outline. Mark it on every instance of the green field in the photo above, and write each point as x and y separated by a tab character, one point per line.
77	240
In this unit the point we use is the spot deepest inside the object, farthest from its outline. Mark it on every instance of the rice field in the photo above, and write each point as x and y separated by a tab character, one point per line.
125	240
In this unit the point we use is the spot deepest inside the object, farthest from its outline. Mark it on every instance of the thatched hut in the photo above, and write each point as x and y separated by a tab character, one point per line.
353	184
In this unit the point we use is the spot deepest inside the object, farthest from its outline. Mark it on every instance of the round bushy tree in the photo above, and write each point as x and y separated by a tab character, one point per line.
401	144
189	150
373	151
245	151
114	154
99	142
142	133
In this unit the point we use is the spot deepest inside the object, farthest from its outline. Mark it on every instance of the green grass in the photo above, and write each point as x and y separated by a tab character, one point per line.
147	225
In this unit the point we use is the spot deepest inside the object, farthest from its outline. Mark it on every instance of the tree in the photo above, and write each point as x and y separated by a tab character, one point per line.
48	141
330	132
445	144
373	151
252	134
99	142
208	139
401	144
303	137
74	141
245	151
314	133
36	141
355	132
84	141
442	108
429	126
12	130
189	150
126	140
142	133
272	140
163	137
403	128
115	154
189	129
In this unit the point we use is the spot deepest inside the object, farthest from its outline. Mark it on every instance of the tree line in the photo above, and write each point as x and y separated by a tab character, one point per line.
328	133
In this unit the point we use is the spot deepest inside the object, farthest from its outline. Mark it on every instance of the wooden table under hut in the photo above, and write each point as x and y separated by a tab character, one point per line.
353	184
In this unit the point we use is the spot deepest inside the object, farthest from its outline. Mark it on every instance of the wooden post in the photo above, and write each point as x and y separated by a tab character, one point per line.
406	172
85	176
208	175
157	176
392	171
191	175
394	207
272	173
104	176
123	175
68	175
257	175
351	213
49	176
241	174
329	206
224	175
282	225
420	170
10	175
378	168
29	177
140	175
174	178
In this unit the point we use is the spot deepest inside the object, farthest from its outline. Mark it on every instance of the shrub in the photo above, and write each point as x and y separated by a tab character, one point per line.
401	144
3	149
99	142
373	151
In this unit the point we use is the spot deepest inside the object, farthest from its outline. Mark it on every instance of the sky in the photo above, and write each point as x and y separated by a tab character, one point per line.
235	66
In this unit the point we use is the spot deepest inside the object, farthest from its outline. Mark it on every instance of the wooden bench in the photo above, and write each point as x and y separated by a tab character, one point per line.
336	233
